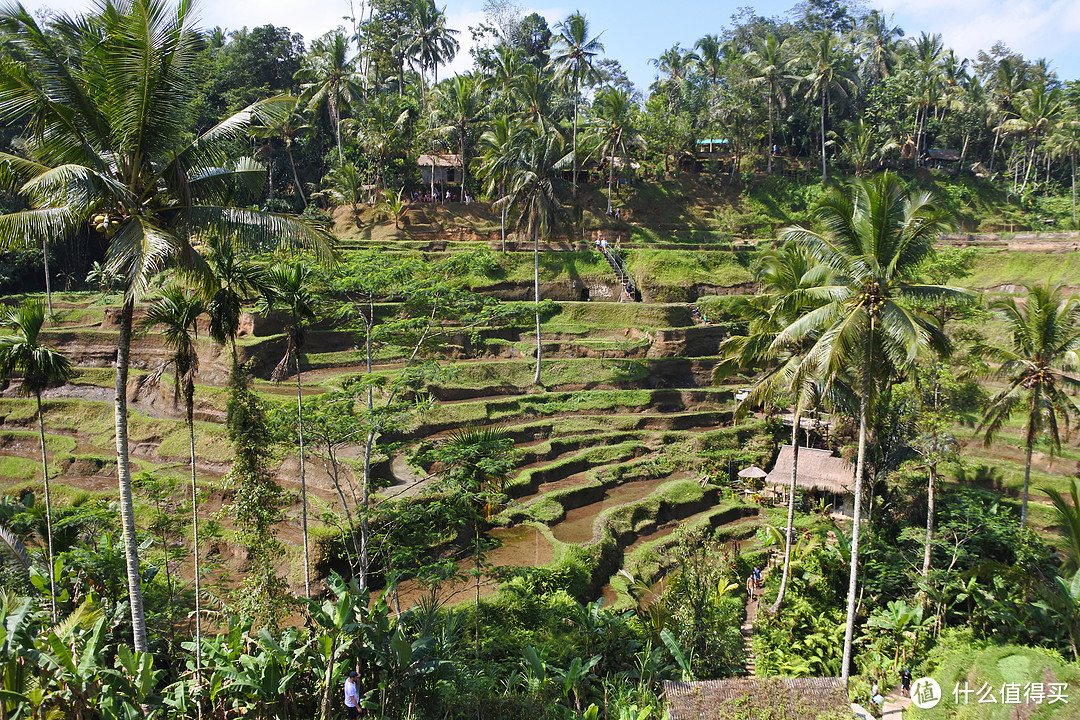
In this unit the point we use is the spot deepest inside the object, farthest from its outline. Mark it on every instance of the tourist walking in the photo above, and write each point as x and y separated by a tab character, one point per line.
352	697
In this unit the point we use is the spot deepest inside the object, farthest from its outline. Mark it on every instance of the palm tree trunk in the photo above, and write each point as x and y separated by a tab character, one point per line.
536	287
123	471
48	283
296	178
369	445
610	178
195	555
853	575
993	151
768	150
1028	450
1072	162
775	608
48	508
502	225
929	521
303	479
577	91
823	175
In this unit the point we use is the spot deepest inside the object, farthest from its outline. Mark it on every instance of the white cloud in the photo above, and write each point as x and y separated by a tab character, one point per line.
1035	28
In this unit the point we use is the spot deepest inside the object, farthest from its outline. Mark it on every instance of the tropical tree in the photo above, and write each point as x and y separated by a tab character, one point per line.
769	67
104	101
500	147
789	278
430	42
21	353
1067	509
532	191
874	238
176	315
461	110
573	57
330	78
1038	367
877	45
613	131
288	287
829	77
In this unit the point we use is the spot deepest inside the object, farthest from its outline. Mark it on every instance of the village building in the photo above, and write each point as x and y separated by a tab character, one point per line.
821	476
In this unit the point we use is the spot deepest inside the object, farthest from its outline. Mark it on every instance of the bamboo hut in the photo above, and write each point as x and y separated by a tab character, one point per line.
821	476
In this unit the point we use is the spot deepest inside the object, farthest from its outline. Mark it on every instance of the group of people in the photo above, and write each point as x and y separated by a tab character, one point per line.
615	213
905	688
753	583
440	196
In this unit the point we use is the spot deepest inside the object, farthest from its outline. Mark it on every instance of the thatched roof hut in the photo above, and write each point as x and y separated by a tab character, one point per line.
818	470
764	698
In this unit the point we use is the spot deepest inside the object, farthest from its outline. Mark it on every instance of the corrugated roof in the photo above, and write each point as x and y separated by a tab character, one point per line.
759	698
818	470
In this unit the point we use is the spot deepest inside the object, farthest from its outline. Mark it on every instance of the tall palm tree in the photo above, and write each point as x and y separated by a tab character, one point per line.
1039	110
21	353
573	60
287	287
769	67
1065	142
105	105
709	51
286	129
926	70
1038	367
533	96
500	147
829	77
235	280
877	45
532	191
790	278
461	109
176	314
613	131
431	43
874	239
330	78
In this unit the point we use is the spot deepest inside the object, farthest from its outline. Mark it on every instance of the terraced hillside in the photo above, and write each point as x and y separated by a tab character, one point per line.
610	448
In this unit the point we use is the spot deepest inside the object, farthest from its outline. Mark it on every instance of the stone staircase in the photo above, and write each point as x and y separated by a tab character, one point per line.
622	274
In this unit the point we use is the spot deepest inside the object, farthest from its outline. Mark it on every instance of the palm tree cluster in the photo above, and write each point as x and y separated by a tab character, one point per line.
845	315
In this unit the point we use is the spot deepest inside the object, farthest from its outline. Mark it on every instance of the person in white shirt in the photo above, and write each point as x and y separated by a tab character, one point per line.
352	697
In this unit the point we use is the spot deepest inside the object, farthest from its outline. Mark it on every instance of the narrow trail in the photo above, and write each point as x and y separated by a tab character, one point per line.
753	605
894	705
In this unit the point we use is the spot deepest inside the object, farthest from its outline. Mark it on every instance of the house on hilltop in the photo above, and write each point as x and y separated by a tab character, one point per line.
759	698
821	476
443	168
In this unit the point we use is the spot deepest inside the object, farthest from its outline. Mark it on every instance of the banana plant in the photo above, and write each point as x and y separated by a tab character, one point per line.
576	680
684	661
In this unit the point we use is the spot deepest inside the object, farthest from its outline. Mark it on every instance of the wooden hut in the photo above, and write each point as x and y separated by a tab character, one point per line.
759	698
821	475
443	168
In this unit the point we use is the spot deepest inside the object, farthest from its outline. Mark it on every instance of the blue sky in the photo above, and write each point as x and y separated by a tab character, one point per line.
636	30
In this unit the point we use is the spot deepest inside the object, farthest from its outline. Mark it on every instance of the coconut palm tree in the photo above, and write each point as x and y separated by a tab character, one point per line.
877	45
1039	369
768	66
873	238
287	287
461	110
790	278
235	280
431	43
104	103
500	148
21	353
532	191
330	78
176	315
614	132
573	57
829	77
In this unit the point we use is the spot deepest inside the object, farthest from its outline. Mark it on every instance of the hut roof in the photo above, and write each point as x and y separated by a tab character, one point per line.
765	698
818	470
453	161
944	154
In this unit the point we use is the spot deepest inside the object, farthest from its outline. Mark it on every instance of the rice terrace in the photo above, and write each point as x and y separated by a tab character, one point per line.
337	383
